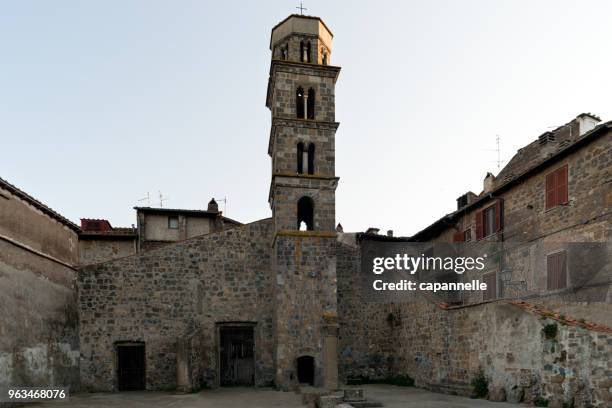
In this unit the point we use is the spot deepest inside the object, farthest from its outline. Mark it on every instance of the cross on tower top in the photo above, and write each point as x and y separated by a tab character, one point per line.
301	8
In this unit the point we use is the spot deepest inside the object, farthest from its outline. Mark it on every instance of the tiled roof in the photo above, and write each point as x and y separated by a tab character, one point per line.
38	205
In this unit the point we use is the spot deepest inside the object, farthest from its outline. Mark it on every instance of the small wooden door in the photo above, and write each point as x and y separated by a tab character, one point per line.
131	366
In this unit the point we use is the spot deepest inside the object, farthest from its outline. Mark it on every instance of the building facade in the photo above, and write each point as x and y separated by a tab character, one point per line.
190	299
39	342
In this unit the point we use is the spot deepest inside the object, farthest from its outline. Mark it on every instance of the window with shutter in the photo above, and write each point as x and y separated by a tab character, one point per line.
467	235
491	280
489	221
556	188
556	270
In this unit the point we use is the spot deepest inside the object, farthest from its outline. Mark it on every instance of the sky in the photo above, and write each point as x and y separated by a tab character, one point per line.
103	102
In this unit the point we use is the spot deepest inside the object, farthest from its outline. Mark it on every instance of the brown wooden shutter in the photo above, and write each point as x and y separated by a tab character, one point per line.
479	225
458	237
491	280
561	186
550	190
556	269
498	215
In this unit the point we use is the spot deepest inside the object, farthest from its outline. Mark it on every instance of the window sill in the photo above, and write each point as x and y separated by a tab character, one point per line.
564	205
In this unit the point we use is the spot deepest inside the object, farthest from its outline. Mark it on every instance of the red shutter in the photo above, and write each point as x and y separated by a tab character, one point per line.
458	237
561	185
550	190
556	268
499	224
479	225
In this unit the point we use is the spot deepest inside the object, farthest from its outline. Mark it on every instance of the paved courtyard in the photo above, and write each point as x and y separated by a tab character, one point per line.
391	396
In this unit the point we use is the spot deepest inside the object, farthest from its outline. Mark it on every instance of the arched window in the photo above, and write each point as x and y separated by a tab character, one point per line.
305	218
311	153
302	51
324	59
308	52
284	53
311	104
299	99
300	158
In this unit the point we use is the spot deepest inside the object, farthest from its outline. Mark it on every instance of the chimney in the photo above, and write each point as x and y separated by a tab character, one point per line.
489	180
586	122
467	198
389	233
213	206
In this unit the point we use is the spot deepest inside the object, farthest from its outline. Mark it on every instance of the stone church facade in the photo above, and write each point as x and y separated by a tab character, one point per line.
269	283
191	299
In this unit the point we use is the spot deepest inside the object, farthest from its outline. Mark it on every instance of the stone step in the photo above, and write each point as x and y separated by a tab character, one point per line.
364	404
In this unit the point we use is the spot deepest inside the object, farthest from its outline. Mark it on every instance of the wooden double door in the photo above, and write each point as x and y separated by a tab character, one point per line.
237	364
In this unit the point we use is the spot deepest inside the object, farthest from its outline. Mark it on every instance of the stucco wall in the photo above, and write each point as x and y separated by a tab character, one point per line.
99	250
26	224
38	321
38	315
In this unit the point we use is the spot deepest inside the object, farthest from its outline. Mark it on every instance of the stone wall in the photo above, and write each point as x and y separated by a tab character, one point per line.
530	231
444	350
306	302
174	292
366	347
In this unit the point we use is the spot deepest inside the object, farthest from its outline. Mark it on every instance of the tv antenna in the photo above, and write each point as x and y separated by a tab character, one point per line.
161	200
497	150
224	200
498	153
147	199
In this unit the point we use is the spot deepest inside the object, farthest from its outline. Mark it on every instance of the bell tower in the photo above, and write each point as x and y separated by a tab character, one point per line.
302	197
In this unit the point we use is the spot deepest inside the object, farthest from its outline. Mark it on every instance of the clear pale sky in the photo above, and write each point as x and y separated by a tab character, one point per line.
102	102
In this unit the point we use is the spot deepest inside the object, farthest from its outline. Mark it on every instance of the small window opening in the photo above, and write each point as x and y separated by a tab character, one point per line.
311	104
284	53
299	97
300	158
311	153
324	59
302	51
305	214
308	52
173	222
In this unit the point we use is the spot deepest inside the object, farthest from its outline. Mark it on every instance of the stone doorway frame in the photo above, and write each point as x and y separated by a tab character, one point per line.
124	344
229	325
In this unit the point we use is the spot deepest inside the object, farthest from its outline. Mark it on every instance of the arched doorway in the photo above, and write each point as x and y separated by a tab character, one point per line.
305	370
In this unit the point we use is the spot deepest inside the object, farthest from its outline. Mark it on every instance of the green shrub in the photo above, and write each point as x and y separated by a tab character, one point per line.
481	385
550	331
540	402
